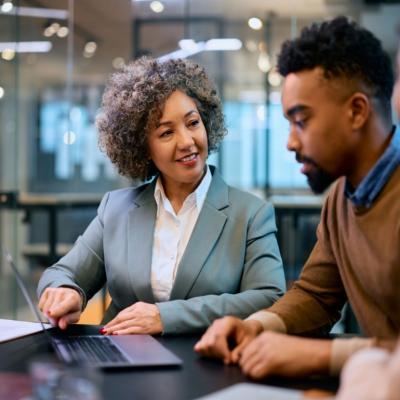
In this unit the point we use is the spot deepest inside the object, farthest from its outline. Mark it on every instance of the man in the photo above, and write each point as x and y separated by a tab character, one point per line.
374	374
336	96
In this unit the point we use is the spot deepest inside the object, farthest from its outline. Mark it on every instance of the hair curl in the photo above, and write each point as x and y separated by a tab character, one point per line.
342	49
132	106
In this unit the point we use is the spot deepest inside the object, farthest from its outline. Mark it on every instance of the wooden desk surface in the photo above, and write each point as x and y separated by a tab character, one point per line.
195	378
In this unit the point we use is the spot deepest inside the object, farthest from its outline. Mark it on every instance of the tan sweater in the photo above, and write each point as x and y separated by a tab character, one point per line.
356	257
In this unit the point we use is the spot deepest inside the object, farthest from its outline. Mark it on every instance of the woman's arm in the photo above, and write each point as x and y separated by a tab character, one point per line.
82	268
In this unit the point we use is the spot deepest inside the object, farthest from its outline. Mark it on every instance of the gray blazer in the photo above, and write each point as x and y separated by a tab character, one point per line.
231	265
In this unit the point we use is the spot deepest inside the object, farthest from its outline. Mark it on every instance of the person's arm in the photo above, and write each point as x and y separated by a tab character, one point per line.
61	305
261	285
82	268
315	301
310	307
216	340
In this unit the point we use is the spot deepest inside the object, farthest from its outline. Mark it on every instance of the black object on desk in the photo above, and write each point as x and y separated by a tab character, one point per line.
195	378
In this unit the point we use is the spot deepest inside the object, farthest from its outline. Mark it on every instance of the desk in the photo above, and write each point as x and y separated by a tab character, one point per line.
196	377
295	206
51	204
294	247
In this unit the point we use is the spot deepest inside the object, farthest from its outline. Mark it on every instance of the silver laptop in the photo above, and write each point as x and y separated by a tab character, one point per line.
97	350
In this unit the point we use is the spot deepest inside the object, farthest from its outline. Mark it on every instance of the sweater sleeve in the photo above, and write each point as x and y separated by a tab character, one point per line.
342	348
82	268
314	302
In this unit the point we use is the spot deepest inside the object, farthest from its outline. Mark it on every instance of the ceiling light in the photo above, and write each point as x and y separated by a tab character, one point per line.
223	44
26	47
90	47
55	26
1	92
118	62
255	23
49	31
187	44
87	55
274	78
157	6
35	12
8	54
62	32
181	53
263	62
189	47
69	137
7	7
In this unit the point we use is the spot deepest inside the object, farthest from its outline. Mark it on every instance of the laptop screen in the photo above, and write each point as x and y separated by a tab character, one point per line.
24	289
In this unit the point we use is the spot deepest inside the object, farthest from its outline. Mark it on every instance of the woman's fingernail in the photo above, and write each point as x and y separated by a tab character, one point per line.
102	331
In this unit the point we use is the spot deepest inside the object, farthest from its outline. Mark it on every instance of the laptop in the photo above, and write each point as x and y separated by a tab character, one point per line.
97	350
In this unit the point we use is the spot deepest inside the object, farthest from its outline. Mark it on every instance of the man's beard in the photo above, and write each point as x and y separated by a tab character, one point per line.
317	179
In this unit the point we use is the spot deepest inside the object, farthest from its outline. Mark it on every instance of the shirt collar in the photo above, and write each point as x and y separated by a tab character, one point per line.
197	197
370	187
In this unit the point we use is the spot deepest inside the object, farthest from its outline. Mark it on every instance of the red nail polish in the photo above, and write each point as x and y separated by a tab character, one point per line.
102	331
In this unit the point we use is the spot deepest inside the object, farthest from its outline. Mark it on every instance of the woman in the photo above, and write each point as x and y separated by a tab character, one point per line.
184	248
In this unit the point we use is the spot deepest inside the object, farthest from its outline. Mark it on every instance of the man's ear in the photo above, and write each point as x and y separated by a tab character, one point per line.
360	109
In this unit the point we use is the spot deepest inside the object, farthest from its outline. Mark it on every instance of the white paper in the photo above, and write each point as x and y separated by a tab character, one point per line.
254	391
11	329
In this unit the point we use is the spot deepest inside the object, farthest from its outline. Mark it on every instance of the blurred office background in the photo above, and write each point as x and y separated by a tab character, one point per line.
55	56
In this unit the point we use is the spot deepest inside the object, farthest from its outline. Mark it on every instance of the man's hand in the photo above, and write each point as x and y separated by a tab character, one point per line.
61	305
140	317
225	331
274	353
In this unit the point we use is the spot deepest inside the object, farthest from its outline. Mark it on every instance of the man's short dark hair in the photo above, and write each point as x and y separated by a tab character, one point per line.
343	50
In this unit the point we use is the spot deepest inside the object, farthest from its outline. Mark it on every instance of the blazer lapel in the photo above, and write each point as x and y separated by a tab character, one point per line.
141	222
208	228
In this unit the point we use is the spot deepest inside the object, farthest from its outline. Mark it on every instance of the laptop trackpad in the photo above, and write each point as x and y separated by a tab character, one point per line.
144	350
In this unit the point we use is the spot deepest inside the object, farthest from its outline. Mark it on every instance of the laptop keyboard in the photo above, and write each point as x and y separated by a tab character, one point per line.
90	349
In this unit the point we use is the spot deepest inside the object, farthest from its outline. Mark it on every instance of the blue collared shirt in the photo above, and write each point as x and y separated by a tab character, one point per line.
370	187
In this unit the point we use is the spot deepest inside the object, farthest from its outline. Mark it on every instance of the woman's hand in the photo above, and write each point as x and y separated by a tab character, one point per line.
62	306
138	318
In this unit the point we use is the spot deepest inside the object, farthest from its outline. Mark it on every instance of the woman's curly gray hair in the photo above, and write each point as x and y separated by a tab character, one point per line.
132	106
